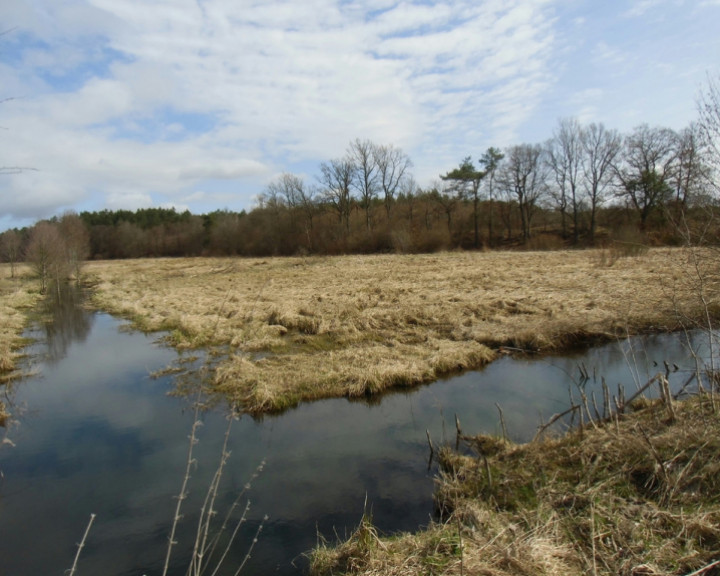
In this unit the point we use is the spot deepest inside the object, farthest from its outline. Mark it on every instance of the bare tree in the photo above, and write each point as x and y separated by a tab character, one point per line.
600	150
691	174
447	197
46	254
365	179
336	179
10	247
564	156
76	240
646	167
292	191
708	105
409	196
523	176
393	167
226	233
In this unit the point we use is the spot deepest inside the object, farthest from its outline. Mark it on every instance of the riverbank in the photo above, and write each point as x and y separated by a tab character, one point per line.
18	297
301	329
636	495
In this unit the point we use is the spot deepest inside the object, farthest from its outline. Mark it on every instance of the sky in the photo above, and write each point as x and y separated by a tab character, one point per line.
199	104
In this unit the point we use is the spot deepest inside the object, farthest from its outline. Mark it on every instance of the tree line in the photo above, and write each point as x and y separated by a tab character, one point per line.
587	185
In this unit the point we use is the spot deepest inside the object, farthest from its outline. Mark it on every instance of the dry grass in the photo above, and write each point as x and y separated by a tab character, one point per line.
306	328
18	296
638	497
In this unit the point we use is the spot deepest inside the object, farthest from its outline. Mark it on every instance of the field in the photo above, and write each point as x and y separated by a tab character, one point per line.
634	495
299	329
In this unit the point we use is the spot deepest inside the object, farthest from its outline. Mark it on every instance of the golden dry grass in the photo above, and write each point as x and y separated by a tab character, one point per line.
305	328
18	296
640	497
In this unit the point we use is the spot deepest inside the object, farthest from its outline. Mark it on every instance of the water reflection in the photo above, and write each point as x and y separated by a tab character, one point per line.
66	320
102	437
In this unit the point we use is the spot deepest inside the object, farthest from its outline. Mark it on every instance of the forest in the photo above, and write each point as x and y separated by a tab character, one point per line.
585	186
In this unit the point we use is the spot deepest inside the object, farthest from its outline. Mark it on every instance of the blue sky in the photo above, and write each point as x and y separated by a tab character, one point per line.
200	103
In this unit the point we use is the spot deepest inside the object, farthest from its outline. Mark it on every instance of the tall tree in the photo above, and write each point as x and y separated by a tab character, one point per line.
524	177
76	239
564	156
708	105
691	173
490	161
336	179
393	167
46	254
10	246
600	150
365	179
646	167
465	180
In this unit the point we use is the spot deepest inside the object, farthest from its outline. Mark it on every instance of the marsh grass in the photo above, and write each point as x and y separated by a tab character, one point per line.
635	494
18	297
313	327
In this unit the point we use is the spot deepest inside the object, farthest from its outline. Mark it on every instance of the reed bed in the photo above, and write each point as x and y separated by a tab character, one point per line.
311	327
635	495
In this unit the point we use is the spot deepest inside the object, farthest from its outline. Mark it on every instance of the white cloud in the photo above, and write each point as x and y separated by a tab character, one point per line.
138	98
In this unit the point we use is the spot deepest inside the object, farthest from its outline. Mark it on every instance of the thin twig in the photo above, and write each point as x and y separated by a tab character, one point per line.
186	479
82	545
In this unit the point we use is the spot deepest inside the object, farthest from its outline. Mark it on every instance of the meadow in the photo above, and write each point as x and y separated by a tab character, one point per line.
636	494
297	329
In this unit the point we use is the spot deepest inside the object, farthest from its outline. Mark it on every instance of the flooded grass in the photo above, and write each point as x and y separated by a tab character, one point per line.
639	495
306	328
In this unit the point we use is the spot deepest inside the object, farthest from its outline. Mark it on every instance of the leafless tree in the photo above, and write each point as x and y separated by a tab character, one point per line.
692	173
10	247
292	191
564	157
46	254
708	105
524	177
363	155
76	240
645	168
600	149
336	177
447	197
409	196
393	167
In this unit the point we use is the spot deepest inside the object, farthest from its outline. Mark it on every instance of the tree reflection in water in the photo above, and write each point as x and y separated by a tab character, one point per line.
66	320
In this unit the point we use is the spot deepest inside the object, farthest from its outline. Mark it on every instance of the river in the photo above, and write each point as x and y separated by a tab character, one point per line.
94	433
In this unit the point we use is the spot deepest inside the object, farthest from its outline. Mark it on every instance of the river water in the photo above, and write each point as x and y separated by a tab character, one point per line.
94	433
